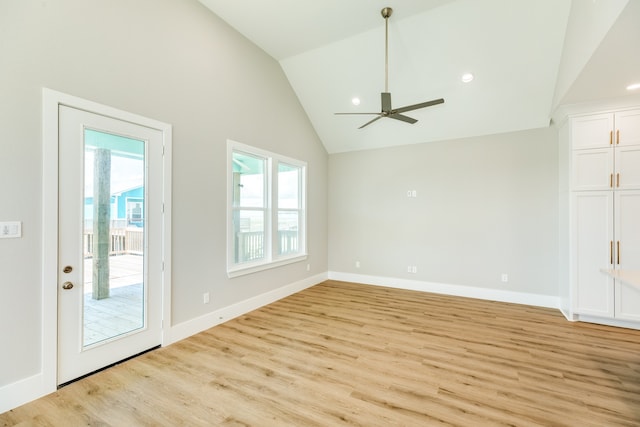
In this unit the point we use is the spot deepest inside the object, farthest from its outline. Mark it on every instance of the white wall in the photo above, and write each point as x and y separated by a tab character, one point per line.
485	206
170	60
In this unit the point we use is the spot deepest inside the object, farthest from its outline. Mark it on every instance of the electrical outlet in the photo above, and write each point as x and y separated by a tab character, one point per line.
412	269
308	267
357	264
205	298
505	277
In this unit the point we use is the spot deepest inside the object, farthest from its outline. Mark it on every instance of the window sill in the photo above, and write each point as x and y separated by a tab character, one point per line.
256	267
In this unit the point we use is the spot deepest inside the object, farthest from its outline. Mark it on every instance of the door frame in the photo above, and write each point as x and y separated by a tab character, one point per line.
51	100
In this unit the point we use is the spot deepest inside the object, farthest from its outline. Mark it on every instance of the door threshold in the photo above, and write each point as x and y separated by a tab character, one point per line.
106	367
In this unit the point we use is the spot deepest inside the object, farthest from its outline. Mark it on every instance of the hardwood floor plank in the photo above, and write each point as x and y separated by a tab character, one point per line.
355	355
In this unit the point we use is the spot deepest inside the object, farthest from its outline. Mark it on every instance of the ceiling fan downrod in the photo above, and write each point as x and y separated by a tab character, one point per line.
386	13
385	97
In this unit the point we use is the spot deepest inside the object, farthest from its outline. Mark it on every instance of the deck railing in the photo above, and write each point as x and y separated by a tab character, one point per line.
250	244
123	241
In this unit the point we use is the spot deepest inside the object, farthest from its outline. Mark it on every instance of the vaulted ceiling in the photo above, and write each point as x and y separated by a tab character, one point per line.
527	57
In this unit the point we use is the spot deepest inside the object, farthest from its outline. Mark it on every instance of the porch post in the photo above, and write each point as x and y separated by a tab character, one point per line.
101	219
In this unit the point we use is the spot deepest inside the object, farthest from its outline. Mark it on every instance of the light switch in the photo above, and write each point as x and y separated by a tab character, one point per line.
10	229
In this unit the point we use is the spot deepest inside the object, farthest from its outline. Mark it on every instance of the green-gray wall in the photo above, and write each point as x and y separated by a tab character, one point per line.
485	206
169	60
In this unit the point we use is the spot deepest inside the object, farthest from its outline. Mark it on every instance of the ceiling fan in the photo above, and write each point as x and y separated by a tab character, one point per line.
387	110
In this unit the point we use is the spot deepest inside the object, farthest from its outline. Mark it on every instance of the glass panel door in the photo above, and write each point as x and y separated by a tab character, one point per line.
110	241
113	236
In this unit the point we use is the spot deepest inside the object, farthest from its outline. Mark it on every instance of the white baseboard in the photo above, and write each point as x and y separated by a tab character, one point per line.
209	320
23	391
447	289
609	322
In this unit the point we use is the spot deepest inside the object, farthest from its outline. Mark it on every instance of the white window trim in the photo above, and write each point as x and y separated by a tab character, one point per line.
271	226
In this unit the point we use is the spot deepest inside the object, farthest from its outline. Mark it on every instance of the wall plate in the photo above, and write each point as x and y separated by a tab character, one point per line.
10	229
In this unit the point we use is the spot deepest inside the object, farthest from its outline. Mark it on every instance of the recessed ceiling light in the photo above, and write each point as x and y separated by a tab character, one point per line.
355	101
633	86
467	77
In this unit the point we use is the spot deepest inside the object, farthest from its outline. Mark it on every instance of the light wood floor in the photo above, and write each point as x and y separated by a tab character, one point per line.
346	354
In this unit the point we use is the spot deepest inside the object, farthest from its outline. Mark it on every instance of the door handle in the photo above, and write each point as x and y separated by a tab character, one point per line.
611	252
618	252
67	285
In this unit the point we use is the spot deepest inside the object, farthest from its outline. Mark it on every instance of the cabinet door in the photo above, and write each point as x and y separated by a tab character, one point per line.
595	131
593	240
627	128
592	169
627	166
627	257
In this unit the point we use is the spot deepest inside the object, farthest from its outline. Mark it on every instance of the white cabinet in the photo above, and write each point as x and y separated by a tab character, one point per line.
592	249
627	252
592	169
606	151
592	131
605	219
627	172
605	130
627	125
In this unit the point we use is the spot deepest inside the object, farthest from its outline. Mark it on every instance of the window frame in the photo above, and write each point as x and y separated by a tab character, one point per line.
271	258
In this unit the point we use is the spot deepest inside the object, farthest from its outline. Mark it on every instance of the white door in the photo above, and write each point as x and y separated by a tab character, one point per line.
627	238
110	241
627	167
628	127
594	250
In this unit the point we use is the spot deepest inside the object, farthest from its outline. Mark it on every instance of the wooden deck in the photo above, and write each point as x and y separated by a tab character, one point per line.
341	354
123	311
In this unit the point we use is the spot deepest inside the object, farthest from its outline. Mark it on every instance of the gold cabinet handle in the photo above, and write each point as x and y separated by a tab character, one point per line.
617	180
611	181
610	137
618	251
618	137
611	252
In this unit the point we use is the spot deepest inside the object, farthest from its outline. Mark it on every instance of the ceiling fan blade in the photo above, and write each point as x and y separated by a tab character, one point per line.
416	106
402	118
370	121
386	101
342	114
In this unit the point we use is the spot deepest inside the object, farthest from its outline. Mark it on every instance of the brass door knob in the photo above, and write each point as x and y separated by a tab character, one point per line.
67	285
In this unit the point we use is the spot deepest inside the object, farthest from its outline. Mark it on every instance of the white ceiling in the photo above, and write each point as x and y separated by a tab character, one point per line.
333	50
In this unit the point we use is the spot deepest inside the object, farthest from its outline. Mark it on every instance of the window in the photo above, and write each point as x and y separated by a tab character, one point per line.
266	214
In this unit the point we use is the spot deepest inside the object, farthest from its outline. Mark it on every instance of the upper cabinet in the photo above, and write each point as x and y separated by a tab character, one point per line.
627	125
594	131
606	151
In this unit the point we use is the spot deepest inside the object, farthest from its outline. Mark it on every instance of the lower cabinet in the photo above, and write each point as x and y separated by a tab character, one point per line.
606	236
627	297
